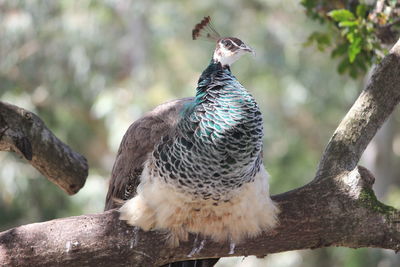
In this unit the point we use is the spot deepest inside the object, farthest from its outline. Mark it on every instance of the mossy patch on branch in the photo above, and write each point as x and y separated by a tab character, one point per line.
369	200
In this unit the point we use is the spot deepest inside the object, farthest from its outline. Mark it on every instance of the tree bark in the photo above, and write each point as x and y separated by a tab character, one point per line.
26	134
337	208
336	211
372	108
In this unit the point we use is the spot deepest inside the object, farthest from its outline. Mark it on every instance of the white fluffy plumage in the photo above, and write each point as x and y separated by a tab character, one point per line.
158	205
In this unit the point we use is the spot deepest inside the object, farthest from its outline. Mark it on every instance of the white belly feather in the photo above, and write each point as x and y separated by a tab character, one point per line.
158	205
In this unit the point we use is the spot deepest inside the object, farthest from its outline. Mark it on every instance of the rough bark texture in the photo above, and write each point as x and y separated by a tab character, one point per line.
25	133
374	105
339	211
338	208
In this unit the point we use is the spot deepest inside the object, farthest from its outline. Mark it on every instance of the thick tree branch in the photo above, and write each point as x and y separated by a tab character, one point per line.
25	133
323	213
368	113
338	208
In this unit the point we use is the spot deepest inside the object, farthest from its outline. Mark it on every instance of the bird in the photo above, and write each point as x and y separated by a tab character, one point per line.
195	165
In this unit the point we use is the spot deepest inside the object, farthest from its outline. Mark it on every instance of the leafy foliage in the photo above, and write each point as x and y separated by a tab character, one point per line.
354	32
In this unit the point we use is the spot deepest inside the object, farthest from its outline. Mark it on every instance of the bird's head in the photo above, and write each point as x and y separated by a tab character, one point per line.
227	50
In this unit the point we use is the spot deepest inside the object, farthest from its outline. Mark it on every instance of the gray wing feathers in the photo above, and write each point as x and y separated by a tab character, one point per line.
138	141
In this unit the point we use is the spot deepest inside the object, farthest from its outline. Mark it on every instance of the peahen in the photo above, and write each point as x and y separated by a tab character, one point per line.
195	165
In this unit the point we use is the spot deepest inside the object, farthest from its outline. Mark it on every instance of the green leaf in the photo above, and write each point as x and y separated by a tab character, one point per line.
351	36
348	23
309	3
343	66
361	10
354	48
362	63
353	72
323	40
340	50
341	15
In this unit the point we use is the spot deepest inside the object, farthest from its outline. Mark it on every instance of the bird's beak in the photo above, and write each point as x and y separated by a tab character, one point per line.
249	49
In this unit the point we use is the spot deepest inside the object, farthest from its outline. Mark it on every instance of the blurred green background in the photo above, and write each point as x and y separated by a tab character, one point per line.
90	68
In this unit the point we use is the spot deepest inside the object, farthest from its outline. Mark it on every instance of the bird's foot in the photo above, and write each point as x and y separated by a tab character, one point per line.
135	238
232	246
197	246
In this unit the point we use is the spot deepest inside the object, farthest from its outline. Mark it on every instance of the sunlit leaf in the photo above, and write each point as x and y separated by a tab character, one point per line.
354	49
341	15
348	23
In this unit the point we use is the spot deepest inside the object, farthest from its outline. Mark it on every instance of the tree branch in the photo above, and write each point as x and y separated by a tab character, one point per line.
376	102
322	213
25	133
393	23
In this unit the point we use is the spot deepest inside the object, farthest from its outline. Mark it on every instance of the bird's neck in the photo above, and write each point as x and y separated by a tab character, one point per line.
212	73
224	60
214	67
220	93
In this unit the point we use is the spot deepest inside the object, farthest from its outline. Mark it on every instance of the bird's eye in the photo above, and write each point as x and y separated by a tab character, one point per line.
227	43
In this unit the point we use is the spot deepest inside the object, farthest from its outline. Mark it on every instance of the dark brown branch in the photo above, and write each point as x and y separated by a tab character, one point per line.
385	33
341	211
25	133
394	22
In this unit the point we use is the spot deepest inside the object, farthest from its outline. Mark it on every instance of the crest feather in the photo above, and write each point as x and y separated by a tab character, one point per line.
206	30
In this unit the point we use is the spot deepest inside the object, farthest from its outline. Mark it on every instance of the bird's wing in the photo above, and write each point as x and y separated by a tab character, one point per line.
137	143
